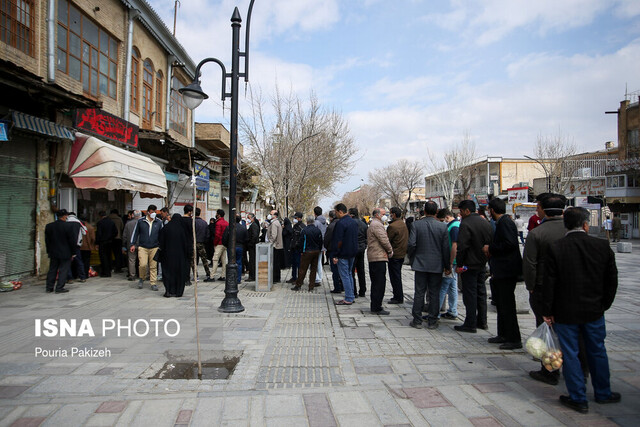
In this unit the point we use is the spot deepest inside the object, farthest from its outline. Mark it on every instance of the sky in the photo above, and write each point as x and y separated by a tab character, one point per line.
416	75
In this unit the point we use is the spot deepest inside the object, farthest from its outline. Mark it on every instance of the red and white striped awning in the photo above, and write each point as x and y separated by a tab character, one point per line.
96	164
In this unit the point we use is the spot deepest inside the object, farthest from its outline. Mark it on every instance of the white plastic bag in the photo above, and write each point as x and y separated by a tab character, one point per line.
543	344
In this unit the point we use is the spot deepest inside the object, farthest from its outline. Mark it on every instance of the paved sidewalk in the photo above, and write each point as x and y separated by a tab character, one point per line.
302	362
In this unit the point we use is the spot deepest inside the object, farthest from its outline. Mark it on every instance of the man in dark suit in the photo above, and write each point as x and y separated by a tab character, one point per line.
579	286
106	231
61	243
429	253
475	233
254	238
506	265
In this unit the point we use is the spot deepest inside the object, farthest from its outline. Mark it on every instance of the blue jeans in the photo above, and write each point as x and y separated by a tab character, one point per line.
239	252
594	334
345	266
450	287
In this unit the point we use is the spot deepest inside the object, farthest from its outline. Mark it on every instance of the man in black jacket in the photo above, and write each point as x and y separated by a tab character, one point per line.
61	243
506	265
475	233
295	254
106	232
358	264
309	244
580	285
253	239
328	235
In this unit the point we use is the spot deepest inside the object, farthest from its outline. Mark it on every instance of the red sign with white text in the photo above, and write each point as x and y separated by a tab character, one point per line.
107	125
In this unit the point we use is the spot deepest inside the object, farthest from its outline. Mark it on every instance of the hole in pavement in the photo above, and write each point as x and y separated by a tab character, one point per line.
189	370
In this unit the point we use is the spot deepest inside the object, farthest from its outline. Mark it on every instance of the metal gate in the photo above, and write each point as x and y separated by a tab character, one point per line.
17	206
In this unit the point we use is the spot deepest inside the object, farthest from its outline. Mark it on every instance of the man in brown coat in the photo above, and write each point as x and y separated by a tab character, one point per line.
379	251
399	238
274	234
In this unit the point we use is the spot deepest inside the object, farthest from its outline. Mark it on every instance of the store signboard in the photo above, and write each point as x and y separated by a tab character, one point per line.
202	178
214	199
101	123
518	195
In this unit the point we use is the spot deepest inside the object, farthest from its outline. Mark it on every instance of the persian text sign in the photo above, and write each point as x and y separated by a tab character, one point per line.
104	124
214	200
518	195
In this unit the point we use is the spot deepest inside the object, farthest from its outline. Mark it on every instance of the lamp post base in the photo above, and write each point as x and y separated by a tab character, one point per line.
231	303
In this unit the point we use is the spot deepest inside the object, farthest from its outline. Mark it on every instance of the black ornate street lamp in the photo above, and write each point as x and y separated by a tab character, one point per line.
193	97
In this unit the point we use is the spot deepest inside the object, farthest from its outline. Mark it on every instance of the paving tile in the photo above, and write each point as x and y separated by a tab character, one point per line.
113	406
11	391
184	416
319	411
485	422
28	422
426	397
349	402
284	406
373	370
369	420
491	387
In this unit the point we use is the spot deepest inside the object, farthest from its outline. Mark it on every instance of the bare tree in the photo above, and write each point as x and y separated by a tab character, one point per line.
552	153
365	199
454	170
300	148
398	180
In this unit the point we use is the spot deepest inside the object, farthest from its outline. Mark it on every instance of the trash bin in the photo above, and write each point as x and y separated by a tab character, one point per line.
264	267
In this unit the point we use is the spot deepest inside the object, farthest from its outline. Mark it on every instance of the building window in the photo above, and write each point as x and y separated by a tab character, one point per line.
178	108
147	93
159	98
135	72
16	24
616	181
633	143
86	52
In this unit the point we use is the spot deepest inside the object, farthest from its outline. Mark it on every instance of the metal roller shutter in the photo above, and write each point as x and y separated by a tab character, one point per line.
17	207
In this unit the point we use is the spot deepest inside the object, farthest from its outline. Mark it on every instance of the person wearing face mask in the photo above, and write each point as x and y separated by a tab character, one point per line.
379	250
146	238
295	251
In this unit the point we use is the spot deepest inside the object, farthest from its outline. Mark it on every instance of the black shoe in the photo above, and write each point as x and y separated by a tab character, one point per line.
62	291
209	280
222	279
614	398
544	376
394	301
296	288
496	340
335	291
49	291
582	407
462	328
433	325
416	325
485	326
131	278
355	296
188	283
382	312
511	346
292	280
361	294
449	316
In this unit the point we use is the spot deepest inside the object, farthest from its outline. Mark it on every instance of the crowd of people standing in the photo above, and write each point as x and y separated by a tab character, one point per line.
571	276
